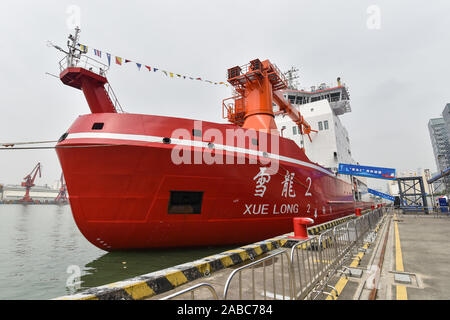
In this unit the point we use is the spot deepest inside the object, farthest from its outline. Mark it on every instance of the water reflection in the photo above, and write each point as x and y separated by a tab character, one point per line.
116	266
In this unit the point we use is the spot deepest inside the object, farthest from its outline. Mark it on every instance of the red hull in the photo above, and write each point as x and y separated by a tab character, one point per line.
120	184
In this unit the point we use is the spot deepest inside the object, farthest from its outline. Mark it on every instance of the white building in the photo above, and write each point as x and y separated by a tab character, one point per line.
38	193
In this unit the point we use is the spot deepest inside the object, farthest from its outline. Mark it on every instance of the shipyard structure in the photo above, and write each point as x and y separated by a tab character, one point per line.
14	193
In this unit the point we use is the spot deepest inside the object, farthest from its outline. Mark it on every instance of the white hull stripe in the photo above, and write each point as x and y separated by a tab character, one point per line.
192	143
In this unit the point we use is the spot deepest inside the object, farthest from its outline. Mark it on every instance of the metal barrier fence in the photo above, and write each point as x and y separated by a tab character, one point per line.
274	279
192	290
295	273
435	211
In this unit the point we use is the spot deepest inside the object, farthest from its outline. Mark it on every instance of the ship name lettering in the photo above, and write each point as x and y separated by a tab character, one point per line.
263	209
256	209
286	208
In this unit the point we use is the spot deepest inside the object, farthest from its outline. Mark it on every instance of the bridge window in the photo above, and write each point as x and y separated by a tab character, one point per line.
294	130
320	125
335	96
325	124
291	99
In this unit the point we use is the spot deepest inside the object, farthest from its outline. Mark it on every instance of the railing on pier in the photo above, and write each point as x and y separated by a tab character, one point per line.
274	279
192	290
306	271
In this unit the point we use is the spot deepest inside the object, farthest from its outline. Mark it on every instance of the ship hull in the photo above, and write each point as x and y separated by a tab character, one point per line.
127	191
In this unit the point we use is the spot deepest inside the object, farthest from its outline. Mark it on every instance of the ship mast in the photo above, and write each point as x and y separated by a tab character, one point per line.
291	76
74	52
89	75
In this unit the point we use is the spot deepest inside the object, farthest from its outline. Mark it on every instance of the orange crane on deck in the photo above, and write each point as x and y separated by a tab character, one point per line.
257	86
29	182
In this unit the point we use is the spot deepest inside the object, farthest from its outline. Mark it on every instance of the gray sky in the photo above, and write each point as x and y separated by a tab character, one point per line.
398	74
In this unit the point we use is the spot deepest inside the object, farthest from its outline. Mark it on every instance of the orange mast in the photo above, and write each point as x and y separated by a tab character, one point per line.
256	88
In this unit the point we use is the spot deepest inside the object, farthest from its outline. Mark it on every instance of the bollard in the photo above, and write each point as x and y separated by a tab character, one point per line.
300	228
358	212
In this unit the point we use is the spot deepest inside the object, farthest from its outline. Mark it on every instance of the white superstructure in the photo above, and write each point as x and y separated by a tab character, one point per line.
330	146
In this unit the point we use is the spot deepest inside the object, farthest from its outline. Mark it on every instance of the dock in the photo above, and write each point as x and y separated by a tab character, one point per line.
384	254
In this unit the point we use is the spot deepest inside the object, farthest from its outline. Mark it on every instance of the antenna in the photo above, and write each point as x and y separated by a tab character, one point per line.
74	52
291	75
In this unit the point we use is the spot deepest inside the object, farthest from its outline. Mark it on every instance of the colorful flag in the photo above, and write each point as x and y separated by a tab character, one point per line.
119	60
83	48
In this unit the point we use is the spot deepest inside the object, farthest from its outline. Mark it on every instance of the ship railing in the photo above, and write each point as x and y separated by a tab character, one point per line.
273	275
248	69
95	66
84	62
228	108
113	98
191	291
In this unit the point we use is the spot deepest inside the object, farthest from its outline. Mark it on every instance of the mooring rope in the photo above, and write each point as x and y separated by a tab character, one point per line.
11	144
61	147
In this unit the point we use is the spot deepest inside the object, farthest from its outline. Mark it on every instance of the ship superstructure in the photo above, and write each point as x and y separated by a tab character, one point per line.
322	106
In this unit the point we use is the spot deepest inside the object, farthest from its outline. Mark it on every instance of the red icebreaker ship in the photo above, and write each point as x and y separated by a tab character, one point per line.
141	181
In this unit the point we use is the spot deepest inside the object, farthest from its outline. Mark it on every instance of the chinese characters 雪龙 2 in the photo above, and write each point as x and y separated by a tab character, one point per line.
262	178
288	190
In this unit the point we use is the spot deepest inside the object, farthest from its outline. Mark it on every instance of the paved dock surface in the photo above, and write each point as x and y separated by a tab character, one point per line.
415	262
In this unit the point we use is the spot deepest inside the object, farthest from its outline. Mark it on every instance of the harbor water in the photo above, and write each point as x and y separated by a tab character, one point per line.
43	255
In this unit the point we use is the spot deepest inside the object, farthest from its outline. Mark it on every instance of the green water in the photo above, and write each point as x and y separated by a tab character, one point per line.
41	244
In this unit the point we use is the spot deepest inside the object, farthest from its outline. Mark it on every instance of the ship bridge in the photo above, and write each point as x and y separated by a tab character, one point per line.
338	96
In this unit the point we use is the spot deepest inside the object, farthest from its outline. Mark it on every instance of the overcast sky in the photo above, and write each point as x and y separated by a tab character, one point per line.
396	67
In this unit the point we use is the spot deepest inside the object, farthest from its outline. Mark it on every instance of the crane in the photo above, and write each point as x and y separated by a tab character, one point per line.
61	198
29	182
257	86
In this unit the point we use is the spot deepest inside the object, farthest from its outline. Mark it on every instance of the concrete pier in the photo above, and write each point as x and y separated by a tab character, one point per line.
414	262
